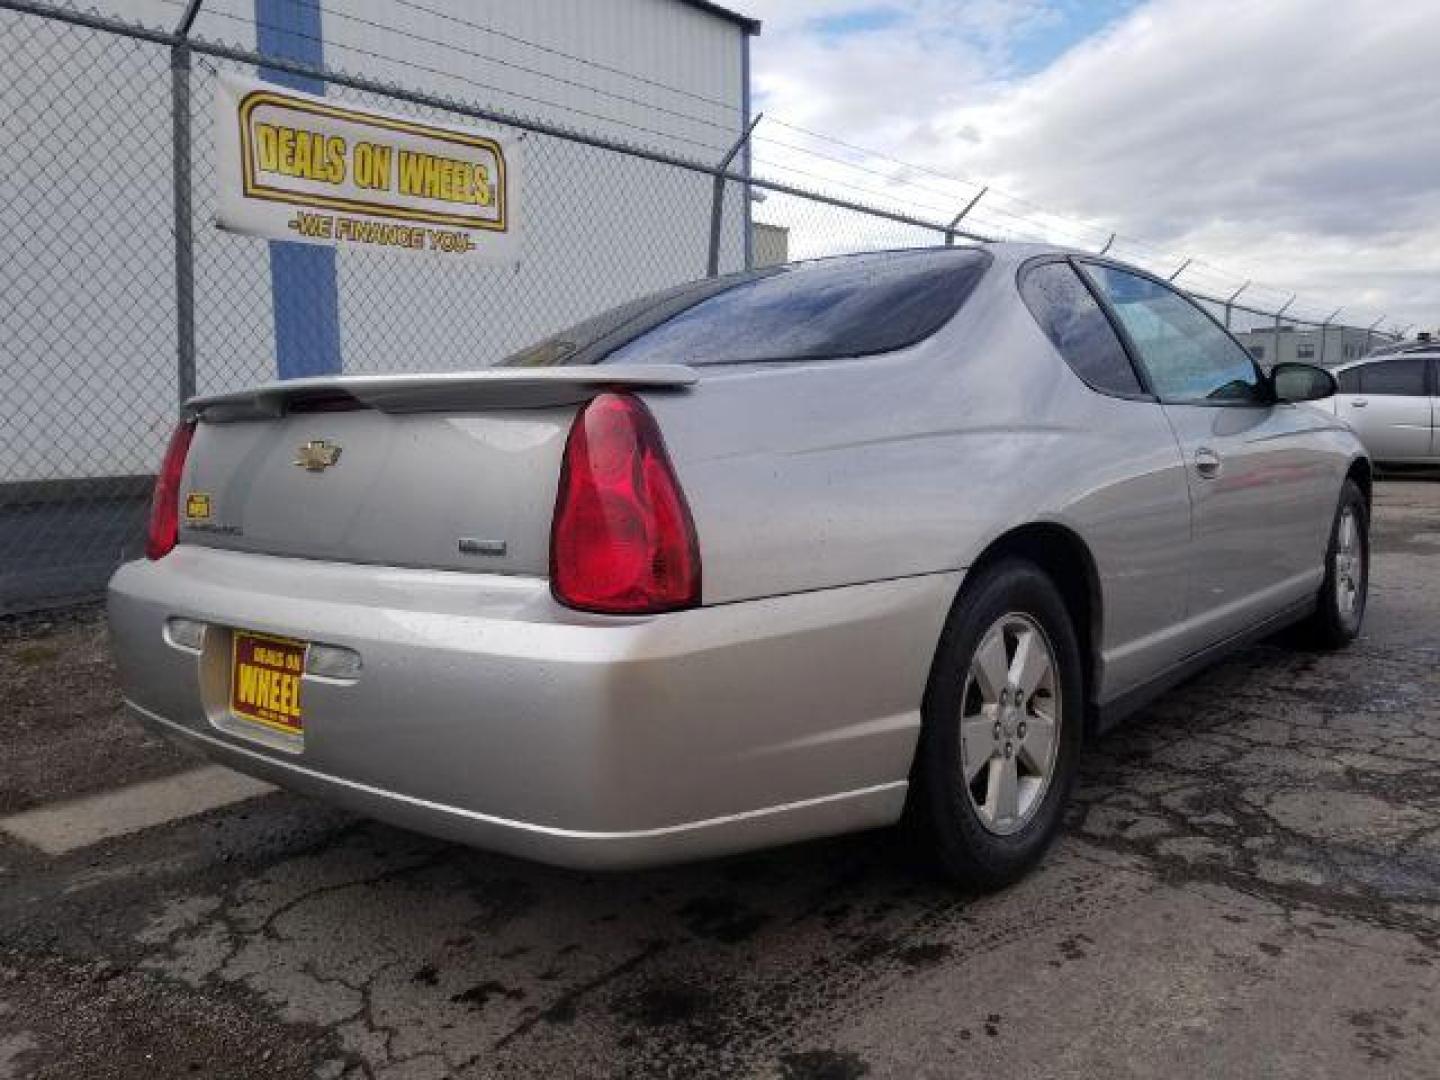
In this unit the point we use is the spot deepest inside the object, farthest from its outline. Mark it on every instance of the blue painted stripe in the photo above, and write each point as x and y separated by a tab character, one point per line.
745	105
302	276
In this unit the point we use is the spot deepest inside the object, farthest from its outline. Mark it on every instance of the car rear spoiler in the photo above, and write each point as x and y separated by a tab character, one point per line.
489	388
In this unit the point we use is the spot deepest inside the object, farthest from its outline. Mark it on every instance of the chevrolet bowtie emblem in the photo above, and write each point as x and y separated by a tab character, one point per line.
317	455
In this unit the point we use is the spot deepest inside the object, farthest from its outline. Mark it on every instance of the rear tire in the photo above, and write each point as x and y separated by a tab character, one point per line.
1340	607
1001	728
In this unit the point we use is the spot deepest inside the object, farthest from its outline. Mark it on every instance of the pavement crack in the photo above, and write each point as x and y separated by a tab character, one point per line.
563	1008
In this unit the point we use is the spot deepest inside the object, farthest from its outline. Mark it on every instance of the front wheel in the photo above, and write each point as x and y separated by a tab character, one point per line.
1340	607
1000	737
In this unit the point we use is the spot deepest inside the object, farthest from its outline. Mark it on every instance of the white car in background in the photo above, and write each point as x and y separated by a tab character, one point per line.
1392	400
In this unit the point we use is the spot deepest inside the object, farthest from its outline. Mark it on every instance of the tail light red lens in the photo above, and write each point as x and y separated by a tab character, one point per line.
622	541
165	503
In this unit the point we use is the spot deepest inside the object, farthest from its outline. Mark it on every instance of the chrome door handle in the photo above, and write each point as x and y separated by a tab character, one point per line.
1207	463
1359	403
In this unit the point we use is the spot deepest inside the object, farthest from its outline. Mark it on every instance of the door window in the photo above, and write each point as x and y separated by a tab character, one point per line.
1079	329
1350	380
1394	378
1185	353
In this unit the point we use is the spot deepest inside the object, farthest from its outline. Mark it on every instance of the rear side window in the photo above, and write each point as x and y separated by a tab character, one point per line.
1394	378
1078	327
816	311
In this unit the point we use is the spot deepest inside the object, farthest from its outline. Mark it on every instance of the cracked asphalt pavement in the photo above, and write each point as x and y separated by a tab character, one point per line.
1249	886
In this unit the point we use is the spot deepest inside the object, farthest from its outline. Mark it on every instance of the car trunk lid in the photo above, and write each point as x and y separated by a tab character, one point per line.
444	471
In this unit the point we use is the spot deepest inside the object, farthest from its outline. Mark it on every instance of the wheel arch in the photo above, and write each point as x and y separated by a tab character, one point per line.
1064	556
1363	473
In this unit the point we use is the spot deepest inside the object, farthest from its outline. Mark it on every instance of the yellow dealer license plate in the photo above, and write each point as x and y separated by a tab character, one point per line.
265	680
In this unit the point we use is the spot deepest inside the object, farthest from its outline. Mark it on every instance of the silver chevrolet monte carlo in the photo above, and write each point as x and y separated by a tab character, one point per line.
794	552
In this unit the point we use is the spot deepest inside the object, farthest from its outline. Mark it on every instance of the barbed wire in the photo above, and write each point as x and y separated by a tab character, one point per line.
731	128
586	61
971	182
1000	211
444	73
899	198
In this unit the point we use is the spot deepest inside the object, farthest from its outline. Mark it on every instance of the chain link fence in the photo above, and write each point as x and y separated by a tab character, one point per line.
123	299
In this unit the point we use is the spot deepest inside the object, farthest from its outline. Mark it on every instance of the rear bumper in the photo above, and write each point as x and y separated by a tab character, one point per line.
487	714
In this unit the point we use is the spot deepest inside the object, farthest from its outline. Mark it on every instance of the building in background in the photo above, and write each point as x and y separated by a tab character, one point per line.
1290	344
1420	341
770	244
598	228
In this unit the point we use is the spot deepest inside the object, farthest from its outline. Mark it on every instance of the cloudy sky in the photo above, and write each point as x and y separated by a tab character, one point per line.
1296	142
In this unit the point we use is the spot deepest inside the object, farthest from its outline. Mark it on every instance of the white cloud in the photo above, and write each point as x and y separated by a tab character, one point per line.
1290	141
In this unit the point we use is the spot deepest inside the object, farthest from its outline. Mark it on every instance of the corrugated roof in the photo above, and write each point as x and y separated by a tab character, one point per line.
751	26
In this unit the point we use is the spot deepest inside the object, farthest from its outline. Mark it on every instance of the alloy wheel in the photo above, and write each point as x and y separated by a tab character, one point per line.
1349	564
1010	723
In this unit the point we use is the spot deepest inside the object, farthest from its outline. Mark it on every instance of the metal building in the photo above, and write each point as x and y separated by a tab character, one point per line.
94	354
1327	346
671	75
770	244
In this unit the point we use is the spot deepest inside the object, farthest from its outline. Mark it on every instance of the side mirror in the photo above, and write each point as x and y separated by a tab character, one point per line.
1302	382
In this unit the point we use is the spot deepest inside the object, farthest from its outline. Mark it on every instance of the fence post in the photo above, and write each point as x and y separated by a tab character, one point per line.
1370	333
1230	303
950	229
1276	359
184	234
717	199
1325	333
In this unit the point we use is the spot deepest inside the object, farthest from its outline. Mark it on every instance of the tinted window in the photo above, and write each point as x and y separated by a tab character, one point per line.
1400	378
590	341
1350	380
1187	357
809	311
831	308
1079	328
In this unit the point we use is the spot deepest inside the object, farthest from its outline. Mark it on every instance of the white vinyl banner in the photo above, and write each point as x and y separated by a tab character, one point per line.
298	167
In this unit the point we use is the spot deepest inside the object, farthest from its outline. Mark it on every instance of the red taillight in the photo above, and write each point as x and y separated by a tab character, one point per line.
622	541
165	503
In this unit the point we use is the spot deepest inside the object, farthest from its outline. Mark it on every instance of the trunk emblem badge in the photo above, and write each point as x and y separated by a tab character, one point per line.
317	455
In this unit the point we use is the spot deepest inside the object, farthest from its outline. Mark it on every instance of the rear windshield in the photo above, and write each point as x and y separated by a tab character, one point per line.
851	306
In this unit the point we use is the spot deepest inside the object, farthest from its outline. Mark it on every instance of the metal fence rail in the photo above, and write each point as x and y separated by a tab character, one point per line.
122	300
